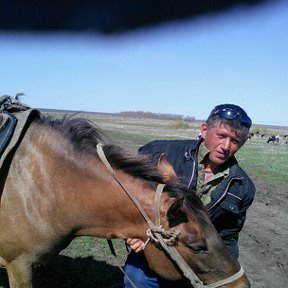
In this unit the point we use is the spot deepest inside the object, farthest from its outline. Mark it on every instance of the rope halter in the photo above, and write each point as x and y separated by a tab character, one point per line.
170	237
163	238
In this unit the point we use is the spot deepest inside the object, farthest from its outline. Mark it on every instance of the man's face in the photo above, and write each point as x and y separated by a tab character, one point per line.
221	141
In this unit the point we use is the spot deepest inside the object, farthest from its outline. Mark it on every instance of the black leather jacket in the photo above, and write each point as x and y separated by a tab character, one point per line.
229	201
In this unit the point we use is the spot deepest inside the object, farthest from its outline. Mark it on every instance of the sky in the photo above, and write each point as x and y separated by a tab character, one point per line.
184	68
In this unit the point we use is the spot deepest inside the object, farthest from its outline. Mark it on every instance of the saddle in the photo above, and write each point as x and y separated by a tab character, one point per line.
14	118
7	125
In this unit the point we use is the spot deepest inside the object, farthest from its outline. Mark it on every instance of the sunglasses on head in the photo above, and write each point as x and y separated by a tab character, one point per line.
231	114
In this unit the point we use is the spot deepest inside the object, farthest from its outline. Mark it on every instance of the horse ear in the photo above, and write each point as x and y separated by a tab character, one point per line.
175	214
165	169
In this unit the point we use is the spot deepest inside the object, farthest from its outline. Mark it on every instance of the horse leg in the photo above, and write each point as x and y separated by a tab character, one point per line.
19	273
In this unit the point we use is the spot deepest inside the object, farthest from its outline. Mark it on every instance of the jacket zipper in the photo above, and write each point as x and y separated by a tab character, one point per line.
193	168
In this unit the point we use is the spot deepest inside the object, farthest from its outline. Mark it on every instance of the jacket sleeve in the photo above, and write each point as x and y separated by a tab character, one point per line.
154	149
176	152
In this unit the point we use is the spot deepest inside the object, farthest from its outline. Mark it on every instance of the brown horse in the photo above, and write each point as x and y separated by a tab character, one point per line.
55	188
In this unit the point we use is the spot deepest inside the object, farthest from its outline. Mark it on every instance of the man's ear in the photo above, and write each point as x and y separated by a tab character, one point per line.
165	169
203	129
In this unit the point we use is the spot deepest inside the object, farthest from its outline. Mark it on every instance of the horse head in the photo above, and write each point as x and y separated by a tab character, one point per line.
198	243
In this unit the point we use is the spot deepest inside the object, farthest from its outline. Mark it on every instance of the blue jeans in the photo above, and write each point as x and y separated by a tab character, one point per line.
136	268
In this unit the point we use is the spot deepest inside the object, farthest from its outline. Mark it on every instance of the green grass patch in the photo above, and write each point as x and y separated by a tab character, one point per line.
267	161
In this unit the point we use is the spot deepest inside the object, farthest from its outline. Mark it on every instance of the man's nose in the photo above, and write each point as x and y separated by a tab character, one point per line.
226	144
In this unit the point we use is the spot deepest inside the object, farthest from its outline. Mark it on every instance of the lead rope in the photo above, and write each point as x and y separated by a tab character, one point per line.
155	233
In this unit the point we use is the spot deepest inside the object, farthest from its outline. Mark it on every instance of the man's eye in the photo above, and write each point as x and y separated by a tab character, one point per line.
235	141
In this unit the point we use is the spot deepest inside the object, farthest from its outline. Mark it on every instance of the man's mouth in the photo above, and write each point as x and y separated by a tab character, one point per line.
221	155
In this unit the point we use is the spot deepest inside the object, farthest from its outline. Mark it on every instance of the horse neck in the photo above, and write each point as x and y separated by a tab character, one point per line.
81	191
117	215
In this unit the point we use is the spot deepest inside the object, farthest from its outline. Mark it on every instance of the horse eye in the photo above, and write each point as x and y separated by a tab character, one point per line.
197	247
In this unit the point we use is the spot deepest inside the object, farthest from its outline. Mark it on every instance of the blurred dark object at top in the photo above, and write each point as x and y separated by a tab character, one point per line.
106	16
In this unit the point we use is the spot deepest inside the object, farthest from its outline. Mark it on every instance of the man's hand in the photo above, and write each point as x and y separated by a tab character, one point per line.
135	244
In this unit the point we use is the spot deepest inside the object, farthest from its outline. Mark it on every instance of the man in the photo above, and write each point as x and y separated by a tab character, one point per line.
208	166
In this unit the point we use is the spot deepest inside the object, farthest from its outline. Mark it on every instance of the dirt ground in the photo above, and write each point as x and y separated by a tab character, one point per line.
264	239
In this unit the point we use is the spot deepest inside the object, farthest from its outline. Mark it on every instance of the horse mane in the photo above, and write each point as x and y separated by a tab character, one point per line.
80	132
84	135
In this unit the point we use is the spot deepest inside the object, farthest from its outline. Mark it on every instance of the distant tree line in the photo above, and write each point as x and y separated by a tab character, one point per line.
132	114
151	115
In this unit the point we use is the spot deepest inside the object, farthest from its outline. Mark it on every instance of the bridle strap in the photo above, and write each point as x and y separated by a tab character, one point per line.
157	199
103	158
227	280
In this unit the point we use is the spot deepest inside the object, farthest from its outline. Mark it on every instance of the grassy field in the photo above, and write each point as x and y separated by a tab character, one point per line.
267	161
88	262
